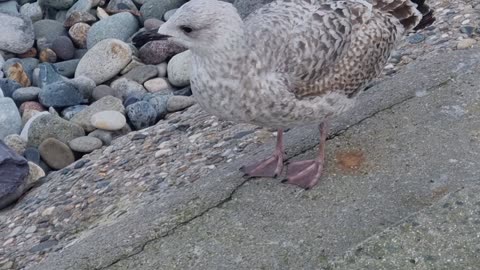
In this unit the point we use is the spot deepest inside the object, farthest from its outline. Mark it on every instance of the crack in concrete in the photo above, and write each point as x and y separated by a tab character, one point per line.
142	247
172	231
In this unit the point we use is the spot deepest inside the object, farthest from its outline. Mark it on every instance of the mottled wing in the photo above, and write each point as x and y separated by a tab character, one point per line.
303	39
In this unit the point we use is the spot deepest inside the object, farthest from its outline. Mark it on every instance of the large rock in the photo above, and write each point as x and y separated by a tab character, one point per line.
105	60
119	26
156	52
60	94
179	69
157	8
10	120
107	103
45	125
14	171
56	154
17	35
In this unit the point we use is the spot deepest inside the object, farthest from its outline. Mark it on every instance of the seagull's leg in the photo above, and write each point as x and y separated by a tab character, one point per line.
306	173
270	167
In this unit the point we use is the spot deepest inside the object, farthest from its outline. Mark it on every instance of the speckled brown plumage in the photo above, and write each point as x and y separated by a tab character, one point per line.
289	63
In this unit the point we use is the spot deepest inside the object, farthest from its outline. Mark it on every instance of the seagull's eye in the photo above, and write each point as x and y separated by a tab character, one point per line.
186	29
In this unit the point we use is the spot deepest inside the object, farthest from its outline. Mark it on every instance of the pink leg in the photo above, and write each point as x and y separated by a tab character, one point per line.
306	173
270	167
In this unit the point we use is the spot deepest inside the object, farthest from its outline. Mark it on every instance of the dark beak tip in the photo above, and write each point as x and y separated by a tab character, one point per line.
143	38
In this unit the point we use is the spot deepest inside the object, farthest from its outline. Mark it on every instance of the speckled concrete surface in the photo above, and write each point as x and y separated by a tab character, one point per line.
413	141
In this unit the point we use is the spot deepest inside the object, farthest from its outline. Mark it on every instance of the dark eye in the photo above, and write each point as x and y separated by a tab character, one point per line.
186	29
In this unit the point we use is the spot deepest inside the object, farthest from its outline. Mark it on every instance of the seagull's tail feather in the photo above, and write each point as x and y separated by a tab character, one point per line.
412	14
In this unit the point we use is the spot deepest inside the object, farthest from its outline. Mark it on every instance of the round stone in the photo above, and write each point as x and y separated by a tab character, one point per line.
63	48
78	32
104	135
35	173
107	103
17	33
26	94
105	60
79	17
102	91
17	73
141	114
85	144
466	43
178	69
178	103
10	120
119	26
162	69
156	52
60	94
108	120
31	105
56	154
16	143
157	85
152	24
69	112
141	74
48	55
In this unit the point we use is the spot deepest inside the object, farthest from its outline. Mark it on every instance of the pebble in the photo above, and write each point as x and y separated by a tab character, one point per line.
57	4
416	38
35	173
48	56
121	5
102	91
9	86
141	74
136	62
107	103
32	10
48	75
466	43
178	69
15	231
141	114
63	47
17	73
46	31
16	143
152	24
163	152
17	33
78	33
104	135
104	60
10	120
125	87
84	85
119	26
162	70
32	154
81	6
67	68
159	103
178	103
157	8
60	94
32	52
79	17
156	52
108	120
85	144
157	85
69	112
44	125
56	154
26	94
31	105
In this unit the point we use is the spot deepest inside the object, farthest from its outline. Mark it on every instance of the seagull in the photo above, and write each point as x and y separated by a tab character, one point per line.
290	63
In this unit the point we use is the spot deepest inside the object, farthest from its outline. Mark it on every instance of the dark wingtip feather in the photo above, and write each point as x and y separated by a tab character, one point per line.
144	37
427	15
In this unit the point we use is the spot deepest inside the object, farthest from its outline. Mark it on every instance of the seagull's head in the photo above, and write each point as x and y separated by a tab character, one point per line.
200	24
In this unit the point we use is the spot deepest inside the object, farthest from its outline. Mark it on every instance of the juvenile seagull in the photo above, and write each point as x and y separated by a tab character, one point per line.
289	63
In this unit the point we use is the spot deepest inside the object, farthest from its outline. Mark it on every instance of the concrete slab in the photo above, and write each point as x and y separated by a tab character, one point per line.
413	140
